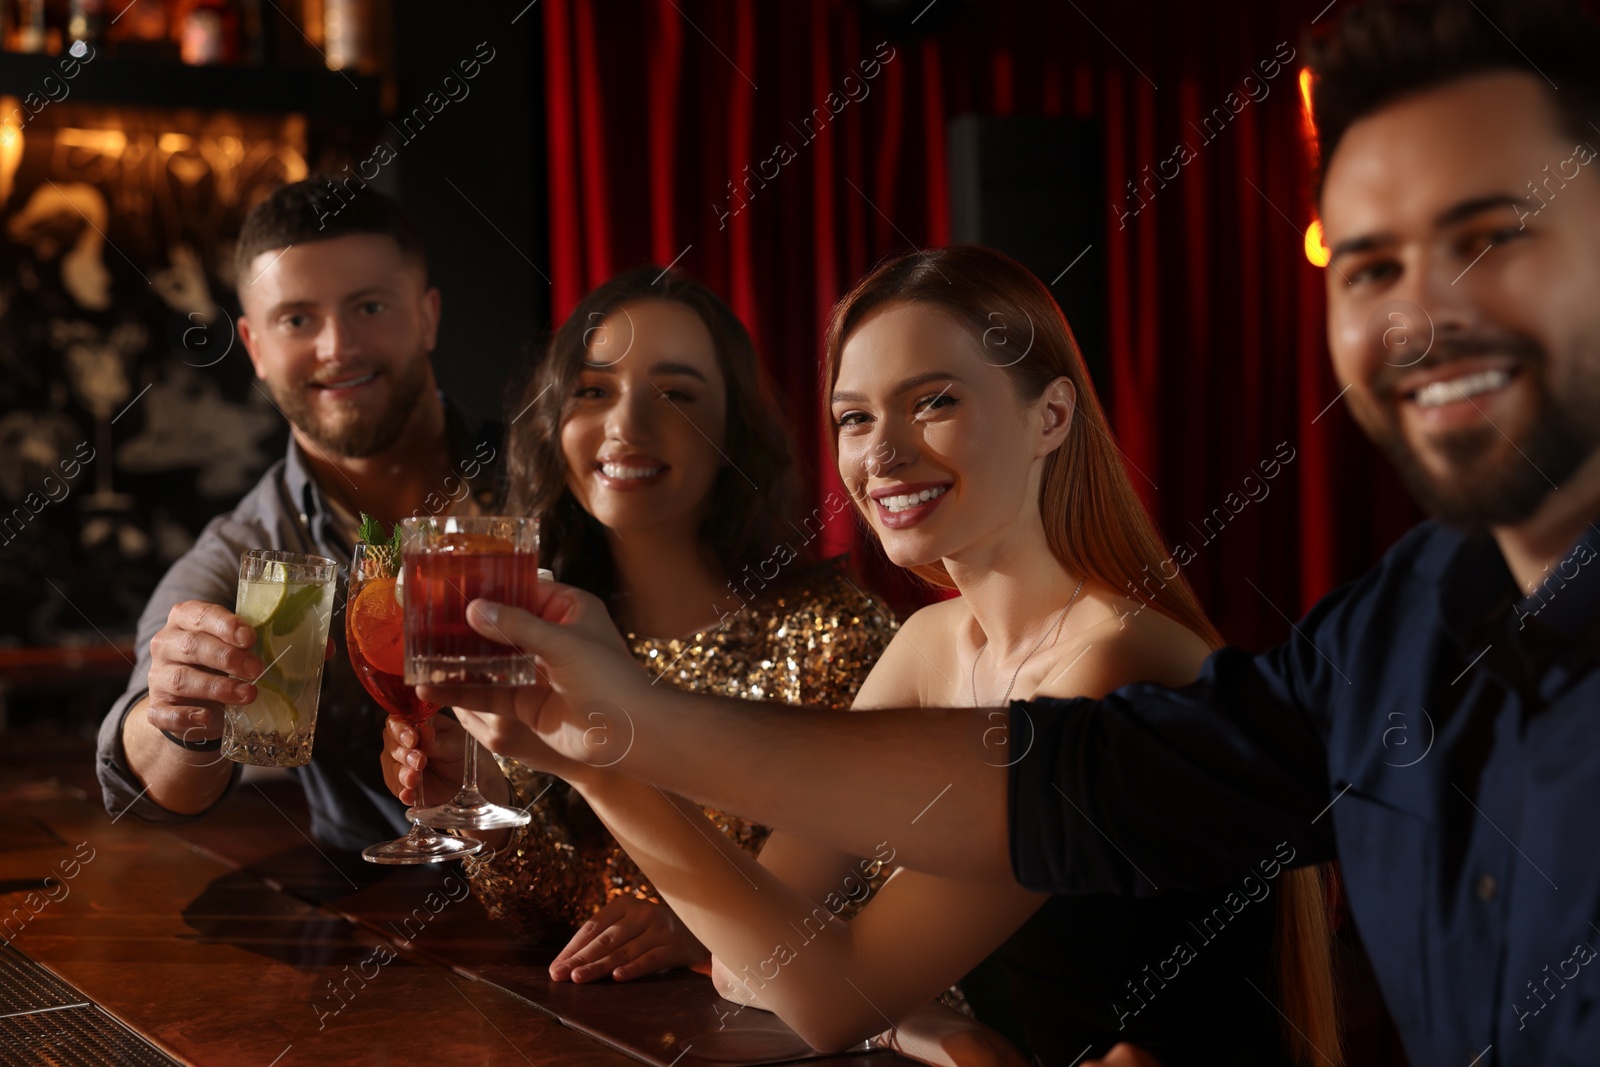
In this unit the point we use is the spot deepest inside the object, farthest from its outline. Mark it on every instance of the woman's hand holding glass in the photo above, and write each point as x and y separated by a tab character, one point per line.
430	755
628	937
429	759
587	678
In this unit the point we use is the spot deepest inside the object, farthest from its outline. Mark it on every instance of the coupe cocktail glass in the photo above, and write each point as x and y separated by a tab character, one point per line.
374	632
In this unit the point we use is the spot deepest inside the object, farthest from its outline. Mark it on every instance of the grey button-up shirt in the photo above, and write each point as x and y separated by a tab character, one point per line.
287	510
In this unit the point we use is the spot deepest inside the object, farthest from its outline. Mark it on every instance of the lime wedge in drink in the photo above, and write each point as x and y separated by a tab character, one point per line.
290	656
285	637
274	712
291	611
270	712
258	602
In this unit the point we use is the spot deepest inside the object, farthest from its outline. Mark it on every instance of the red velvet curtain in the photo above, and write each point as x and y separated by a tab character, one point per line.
1217	358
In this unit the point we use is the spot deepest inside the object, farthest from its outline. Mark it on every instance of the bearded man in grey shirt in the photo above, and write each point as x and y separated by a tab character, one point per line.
339	322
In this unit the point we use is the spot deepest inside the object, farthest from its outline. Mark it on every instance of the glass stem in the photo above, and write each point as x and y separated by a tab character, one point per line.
421	779
469	775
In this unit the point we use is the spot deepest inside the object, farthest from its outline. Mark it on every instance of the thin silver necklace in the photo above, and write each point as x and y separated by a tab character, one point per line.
1061	617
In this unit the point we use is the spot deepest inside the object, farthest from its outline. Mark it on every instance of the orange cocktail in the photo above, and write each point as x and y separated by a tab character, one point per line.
375	627
375	635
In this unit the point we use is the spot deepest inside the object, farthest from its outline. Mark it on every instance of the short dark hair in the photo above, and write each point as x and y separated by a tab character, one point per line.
319	208
1384	50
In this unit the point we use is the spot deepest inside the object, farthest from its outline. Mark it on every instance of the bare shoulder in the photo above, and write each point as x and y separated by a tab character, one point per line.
939	619
911	668
1126	644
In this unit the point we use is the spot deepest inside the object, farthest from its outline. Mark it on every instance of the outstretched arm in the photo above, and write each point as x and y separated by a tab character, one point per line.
932	779
1235	751
850	780
194	655
789	950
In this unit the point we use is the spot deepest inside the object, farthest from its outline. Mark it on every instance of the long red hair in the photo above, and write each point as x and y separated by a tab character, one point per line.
1096	526
1095	523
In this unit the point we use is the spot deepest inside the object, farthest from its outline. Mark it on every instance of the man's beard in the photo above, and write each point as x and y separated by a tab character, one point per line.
1477	493
360	437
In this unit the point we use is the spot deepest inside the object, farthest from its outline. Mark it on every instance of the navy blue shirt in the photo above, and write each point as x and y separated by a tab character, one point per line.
350	806
1429	728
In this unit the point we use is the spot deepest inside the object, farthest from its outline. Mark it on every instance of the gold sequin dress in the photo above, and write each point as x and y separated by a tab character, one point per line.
811	642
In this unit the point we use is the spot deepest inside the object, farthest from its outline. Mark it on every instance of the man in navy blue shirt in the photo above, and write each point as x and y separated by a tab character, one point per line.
1434	726
339	321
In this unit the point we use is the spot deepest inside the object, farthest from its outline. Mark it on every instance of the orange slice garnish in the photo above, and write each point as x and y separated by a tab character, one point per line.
376	621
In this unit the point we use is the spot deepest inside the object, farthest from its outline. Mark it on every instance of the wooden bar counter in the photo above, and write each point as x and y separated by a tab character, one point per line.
237	940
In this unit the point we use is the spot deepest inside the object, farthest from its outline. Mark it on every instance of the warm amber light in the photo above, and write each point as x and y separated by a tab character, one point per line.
1316	251
175	142
1305	102
10	147
106	142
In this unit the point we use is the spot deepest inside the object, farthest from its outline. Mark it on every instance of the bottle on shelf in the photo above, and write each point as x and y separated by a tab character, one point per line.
209	32
28	31
354	34
139	29
86	26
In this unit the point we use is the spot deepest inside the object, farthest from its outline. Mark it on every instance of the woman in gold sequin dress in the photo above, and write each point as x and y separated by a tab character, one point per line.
649	445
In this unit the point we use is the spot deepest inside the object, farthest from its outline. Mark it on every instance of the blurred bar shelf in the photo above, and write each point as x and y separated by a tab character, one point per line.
329	94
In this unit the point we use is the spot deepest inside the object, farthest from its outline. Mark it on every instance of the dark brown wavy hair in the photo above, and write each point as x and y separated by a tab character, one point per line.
751	505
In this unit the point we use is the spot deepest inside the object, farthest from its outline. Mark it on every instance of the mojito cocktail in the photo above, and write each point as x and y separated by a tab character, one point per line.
288	600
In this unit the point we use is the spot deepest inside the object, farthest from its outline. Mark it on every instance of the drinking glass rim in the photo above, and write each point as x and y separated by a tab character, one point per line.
419	522
357	557
292	559
423	527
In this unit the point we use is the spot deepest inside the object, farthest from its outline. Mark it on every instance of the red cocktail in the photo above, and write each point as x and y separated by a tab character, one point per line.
442	575
449	561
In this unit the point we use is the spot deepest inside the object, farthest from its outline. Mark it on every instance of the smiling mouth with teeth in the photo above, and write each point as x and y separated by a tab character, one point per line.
1438	394
627	474
907	501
